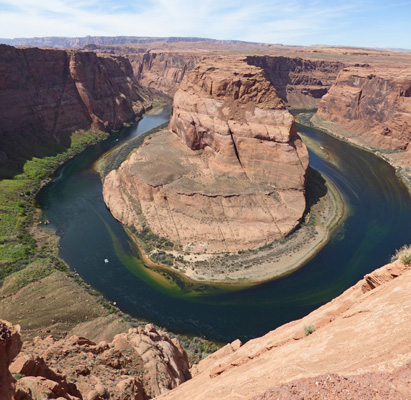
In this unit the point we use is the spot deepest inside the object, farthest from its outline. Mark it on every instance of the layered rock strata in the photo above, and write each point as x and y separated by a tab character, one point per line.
231	174
373	104
300	83
161	70
360	349
371	107
45	95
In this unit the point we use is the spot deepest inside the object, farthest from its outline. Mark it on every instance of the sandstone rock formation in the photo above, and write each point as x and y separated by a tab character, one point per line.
10	345
137	364
45	95
360	349
300	83
232	174
161	70
372	106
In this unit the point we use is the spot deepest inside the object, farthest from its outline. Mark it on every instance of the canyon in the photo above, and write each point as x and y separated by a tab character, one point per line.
356	346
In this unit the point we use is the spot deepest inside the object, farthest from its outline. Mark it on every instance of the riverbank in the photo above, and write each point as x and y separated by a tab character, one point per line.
37	290
400	160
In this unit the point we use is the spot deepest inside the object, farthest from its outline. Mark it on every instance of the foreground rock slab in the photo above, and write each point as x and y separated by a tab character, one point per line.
361	341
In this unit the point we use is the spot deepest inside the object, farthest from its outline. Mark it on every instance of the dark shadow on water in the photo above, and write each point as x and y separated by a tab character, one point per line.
315	188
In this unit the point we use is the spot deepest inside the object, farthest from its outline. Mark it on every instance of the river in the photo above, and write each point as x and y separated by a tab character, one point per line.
379	222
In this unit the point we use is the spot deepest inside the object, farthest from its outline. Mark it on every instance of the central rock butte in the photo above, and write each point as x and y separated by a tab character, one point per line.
231	174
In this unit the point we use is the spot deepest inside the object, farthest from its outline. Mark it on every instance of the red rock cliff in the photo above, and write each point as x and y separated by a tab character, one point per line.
47	94
371	107
372	104
231	177
163	71
300	83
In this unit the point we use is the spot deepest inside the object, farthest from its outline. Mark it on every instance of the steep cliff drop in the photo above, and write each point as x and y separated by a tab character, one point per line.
355	347
46	95
371	107
230	176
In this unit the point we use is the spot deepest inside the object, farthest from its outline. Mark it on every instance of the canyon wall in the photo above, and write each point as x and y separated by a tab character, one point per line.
372	106
162	71
45	95
360	349
299	82
232	174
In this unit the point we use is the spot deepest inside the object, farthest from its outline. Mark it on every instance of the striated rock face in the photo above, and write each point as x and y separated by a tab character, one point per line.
162	71
45	95
232	174
360	349
371	106
300	83
137	364
10	345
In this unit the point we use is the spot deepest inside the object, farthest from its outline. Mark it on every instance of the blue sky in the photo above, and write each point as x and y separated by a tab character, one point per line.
361	23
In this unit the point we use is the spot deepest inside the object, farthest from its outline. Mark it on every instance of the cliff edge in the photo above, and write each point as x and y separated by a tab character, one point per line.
358	347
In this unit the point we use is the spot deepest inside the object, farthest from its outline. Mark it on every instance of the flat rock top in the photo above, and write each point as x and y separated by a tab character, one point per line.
164	160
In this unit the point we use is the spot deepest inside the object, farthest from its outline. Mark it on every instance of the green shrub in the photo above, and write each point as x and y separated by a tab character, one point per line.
309	329
403	254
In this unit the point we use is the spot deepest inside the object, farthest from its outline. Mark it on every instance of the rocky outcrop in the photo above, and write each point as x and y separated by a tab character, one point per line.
10	345
137	364
232	174
299	82
371	106
45	95
360	349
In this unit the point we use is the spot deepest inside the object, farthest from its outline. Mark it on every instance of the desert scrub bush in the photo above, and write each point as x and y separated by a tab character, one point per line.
403	254
309	329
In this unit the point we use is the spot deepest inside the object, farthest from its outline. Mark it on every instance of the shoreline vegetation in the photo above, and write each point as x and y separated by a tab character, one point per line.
31	269
325	212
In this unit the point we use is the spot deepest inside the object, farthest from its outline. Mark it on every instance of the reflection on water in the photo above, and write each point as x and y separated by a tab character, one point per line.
378	224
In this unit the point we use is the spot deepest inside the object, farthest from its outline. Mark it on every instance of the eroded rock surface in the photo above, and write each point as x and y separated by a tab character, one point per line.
232	174
143	362
374	104
360	349
10	345
162	70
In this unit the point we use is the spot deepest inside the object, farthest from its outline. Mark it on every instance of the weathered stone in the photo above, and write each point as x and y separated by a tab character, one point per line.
234	179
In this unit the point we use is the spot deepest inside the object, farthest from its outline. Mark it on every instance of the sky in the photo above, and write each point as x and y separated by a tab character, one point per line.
359	23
